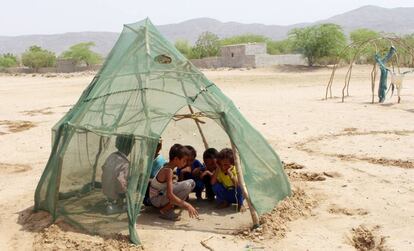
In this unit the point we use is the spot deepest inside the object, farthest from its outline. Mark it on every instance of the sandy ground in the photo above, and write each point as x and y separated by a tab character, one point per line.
357	164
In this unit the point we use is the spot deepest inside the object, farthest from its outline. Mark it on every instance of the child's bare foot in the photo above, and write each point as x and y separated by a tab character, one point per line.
170	215
166	208
223	205
211	199
241	208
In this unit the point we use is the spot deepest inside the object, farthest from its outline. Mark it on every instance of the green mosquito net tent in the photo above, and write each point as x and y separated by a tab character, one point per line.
137	93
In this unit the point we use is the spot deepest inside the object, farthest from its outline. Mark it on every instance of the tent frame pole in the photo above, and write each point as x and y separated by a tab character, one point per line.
192	113
199	129
242	184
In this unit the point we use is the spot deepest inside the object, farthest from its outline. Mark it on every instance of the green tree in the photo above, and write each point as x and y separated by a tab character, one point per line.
36	57
319	42
82	53
184	47
407	54
280	47
244	39
363	35
8	60
365	44
207	45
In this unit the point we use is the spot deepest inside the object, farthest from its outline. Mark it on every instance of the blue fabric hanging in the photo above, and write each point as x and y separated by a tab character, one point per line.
384	73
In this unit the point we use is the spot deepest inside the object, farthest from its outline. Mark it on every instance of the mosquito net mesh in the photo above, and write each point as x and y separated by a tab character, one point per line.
143	87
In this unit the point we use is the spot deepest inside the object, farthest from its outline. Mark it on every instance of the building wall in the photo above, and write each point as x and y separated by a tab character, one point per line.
15	70
206	63
26	70
243	50
96	67
65	65
248	55
288	59
252	61
232	51
232	62
255	49
47	70
238	61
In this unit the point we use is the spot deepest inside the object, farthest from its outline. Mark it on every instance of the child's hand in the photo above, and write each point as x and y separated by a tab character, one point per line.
186	169
205	173
192	212
229	172
196	172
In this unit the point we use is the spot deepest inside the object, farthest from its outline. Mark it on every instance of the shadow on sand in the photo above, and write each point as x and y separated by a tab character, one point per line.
219	221
297	68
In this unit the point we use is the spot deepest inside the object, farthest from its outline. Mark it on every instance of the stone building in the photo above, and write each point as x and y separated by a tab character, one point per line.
248	55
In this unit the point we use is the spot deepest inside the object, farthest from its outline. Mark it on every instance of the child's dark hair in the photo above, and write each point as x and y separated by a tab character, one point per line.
193	152
124	143
178	151
210	153
226	153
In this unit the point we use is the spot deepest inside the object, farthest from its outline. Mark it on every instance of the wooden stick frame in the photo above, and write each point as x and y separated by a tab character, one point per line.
253	212
393	40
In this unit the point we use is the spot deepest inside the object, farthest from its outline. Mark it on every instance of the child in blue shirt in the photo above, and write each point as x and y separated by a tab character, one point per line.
210	164
157	164
158	161
193	170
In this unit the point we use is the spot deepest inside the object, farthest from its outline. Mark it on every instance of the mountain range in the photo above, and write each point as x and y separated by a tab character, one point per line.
396	20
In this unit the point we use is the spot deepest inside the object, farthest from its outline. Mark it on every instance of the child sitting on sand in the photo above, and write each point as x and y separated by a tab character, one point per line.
193	170
210	166
164	194
225	183
115	174
158	161
157	164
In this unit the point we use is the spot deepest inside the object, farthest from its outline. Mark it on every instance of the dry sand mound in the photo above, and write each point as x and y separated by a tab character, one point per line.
55	237
34	221
62	236
17	125
44	111
367	238
275	223
306	176
14	168
390	162
332	174
350	129
293	165
334	209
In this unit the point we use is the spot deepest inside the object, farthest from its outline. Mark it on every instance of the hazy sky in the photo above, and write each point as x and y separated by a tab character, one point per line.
20	17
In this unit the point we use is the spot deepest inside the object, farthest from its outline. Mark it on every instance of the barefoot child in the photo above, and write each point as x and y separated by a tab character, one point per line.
193	170
196	168
115	174
164	194
157	164
210	164
224	181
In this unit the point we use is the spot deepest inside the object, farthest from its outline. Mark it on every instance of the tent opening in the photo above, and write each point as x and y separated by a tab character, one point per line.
183	130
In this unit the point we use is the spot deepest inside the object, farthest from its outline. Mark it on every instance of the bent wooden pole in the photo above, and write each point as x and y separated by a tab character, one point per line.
199	129
373	79
255	216
197	123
